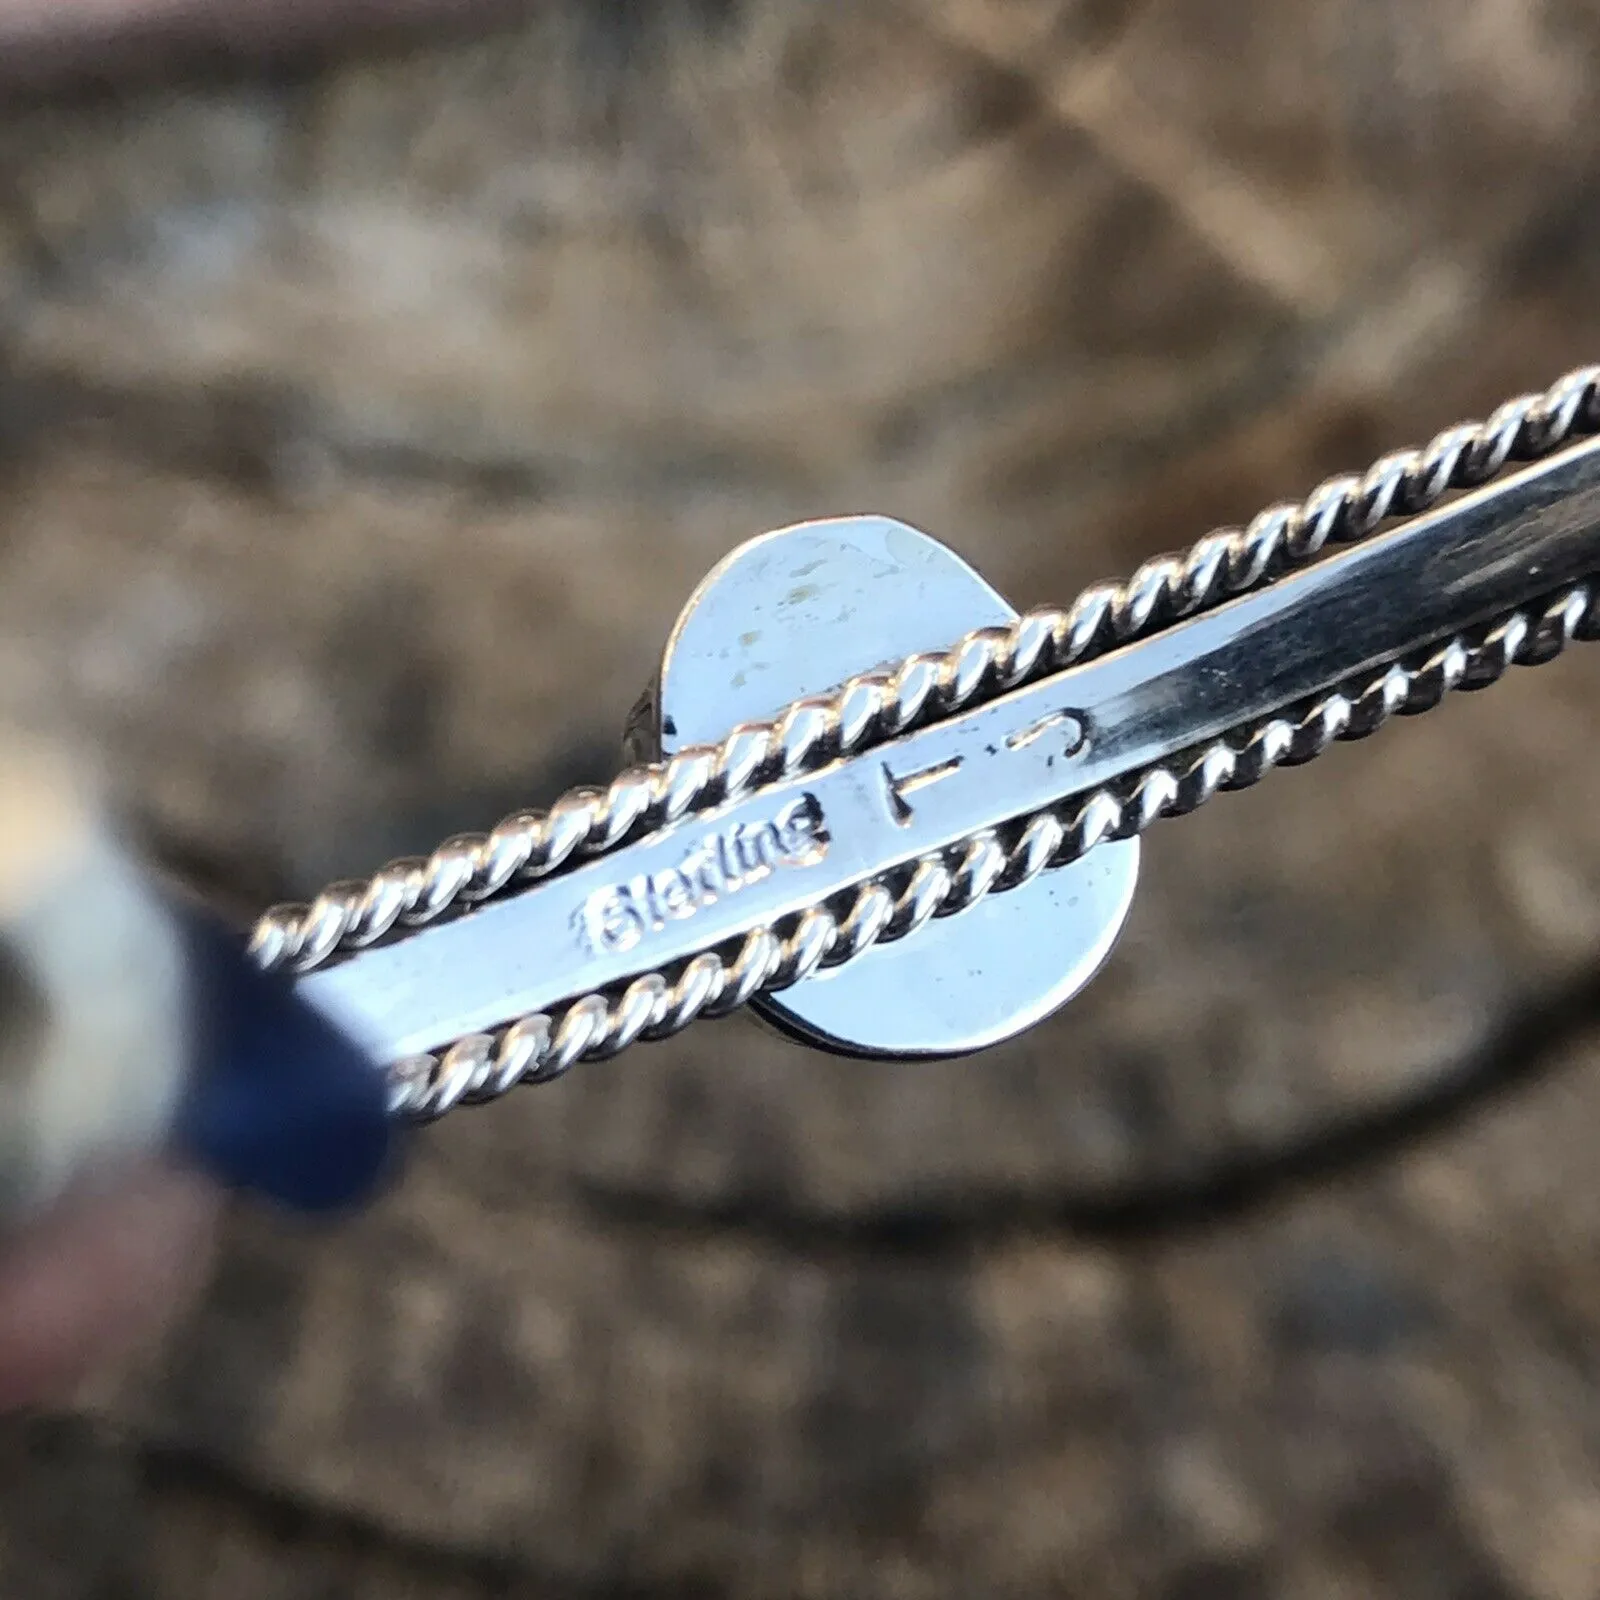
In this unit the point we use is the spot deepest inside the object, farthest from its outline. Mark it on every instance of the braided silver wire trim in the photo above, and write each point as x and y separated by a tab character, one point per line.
538	1048
878	705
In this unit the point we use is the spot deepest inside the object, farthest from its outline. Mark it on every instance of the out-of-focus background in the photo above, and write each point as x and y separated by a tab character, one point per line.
368	408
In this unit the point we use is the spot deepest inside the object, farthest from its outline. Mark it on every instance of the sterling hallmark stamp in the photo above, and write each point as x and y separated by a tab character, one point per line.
975	810
616	918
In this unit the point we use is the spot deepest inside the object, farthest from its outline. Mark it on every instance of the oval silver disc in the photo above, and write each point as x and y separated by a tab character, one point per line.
797	612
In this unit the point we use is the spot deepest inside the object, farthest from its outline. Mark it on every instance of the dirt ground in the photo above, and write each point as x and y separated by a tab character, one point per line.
366	416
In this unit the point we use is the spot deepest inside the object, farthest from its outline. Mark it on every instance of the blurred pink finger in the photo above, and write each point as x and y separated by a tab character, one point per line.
98	1280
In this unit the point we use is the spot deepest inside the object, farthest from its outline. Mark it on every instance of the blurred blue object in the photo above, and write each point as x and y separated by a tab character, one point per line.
278	1099
132	1023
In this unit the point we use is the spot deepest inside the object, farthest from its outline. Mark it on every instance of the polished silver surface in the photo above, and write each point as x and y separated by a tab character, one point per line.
858	818
528	845
798	612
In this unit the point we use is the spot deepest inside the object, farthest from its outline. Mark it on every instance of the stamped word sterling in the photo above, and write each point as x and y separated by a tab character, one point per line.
616	918
941	849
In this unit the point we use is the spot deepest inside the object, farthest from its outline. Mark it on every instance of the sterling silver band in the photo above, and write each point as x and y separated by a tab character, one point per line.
688	886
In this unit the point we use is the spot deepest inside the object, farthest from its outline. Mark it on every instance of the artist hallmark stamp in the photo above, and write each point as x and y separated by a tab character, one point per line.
616	918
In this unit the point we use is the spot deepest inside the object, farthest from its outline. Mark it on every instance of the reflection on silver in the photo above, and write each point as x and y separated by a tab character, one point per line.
792	614
976	778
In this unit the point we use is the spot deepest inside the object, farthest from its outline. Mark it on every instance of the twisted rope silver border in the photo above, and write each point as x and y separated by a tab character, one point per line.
874	706
539	1048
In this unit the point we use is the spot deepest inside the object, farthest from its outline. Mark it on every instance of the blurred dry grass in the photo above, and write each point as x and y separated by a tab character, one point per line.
363	424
